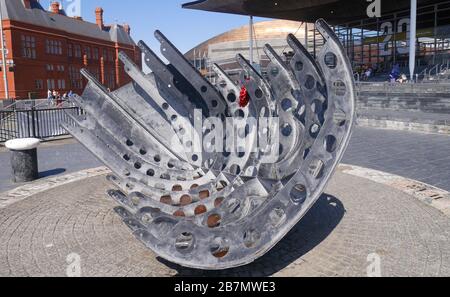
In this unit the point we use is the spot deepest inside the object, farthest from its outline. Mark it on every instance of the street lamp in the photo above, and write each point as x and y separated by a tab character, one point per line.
2	38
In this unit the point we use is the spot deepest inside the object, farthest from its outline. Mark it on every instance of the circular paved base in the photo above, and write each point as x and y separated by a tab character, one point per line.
355	218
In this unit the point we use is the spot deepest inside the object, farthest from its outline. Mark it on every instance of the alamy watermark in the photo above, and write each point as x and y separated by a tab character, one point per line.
240	135
374	268
374	9
73	269
72	7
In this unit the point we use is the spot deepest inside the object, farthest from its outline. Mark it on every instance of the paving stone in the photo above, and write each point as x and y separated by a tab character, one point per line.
355	218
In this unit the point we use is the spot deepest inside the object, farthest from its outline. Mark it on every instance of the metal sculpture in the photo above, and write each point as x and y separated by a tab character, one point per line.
209	209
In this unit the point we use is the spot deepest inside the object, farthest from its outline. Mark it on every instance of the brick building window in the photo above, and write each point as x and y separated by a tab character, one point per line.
39	83
70	50
61	84
87	52
105	55
51	84
95	53
111	56
77	51
53	47
50	67
28	47
110	79
76	81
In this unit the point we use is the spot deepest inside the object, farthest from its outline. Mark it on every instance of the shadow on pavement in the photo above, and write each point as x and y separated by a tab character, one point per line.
52	172
314	228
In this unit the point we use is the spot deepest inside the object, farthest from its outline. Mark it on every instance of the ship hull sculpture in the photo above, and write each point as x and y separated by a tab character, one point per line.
209	209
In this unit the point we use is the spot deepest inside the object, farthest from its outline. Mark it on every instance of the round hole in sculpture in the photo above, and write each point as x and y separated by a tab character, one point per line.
286	104
214	220
330	143
310	82
184	242
231	97
330	60
219	248
339	88
298	194
251	238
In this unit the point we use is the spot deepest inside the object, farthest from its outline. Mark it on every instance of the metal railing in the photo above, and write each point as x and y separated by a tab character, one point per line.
34	123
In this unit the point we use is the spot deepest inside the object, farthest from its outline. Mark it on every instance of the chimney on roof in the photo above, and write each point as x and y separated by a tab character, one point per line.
127	28
54	7
99	17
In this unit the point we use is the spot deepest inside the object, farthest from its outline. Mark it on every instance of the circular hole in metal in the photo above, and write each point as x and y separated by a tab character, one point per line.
251	238
129	142
339	88
185	200
177	188
214	103
167	199
157	159
223	84
151	172
201	209
179	213
339	118
286	104
274	71
239	113
330	143
174	117
231	97
184	242
214	220
310	82
204	89
194	158
137	165
219	248
235	169
194	186
316	169
165	106
298	194
203	194
218	202
126	157
258	93
286	130
299	66
330	60
143	152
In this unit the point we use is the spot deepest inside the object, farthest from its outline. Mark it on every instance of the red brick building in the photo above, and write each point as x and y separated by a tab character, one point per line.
47	49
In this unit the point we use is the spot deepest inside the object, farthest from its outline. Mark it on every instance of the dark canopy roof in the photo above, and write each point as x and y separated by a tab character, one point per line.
334	11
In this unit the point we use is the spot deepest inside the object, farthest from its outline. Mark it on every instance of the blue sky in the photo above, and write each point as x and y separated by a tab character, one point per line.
185	28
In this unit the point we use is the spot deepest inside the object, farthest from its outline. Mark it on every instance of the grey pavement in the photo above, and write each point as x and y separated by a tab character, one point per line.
55	158
418	156
44	234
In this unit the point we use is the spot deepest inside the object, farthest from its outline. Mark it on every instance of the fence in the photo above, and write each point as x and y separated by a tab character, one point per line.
34	123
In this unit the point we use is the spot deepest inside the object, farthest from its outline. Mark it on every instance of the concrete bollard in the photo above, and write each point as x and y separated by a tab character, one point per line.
24	160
